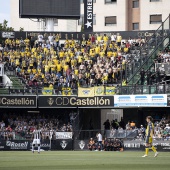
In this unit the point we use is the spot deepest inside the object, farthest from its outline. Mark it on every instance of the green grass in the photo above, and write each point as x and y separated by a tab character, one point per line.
82	160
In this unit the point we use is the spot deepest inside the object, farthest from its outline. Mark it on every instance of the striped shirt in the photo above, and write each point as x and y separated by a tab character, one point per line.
37	134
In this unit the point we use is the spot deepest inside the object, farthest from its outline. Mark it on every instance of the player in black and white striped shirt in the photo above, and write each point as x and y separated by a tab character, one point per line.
37	136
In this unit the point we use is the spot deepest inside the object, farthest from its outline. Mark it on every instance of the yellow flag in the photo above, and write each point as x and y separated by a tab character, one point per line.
110	90
47	91
86	92
99	90
66	91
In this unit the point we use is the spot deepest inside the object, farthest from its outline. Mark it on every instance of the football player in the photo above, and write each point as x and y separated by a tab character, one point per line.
149	137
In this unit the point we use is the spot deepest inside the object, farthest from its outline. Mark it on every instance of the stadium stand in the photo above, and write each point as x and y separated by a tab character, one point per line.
43	63
35	63
38	62
19	126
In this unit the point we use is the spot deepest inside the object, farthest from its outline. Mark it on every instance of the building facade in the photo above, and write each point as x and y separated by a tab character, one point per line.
109	15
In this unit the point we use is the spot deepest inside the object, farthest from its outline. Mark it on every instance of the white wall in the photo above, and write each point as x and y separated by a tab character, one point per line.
148	8
17	22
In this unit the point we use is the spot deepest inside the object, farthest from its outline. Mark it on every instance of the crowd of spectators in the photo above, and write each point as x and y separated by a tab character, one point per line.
22	125
43	62
161	131
15	125
158	75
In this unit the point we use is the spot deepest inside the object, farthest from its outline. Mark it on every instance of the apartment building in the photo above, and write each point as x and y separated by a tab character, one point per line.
108	15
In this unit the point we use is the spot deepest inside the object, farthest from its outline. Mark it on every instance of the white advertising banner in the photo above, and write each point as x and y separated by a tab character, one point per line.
157	100
64	135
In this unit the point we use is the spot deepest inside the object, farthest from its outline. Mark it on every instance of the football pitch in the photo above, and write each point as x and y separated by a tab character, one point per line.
83	160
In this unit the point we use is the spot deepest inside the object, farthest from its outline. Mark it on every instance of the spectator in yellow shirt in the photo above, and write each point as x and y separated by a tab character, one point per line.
99	38
105	38
119	39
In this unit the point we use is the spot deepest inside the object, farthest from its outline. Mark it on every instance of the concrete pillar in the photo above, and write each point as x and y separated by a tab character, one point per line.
49	24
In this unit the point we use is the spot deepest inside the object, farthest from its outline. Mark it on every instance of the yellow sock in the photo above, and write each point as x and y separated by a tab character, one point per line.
154	149
146	151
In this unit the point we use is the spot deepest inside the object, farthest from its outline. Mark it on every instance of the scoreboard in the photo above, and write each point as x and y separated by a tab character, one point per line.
60	9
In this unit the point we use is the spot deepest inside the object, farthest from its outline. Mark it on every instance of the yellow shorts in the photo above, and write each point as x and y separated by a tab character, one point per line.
149	140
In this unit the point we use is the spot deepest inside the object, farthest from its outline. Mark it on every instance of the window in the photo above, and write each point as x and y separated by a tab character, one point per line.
55	22
110	1
81	20
155	0
156	19
135	26
110	21
136	4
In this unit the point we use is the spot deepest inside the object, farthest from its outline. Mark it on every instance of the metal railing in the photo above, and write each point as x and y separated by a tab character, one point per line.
145	55
148	63
82	134
134	134
119	134
28	135
159	88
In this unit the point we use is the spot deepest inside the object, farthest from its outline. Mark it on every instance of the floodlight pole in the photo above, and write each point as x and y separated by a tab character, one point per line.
49	24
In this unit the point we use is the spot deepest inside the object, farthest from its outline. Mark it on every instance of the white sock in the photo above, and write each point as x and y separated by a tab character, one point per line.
38	148
32	148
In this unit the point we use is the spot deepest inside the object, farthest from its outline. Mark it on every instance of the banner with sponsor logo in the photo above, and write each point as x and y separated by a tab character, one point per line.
45	145
64	135
47	91
157	100
88	15
8	34
140	145
86	92
24	101
62	144
128	145
110	90
22	145
80	35
14	145
74	101
81	144
99	90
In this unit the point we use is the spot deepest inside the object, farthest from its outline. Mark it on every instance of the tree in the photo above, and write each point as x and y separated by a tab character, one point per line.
4	26
82	27
21	29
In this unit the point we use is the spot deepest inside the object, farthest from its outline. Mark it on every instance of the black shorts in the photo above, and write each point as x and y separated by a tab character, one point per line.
25	68
119	43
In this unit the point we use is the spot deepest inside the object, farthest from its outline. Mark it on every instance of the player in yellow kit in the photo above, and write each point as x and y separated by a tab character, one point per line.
149	137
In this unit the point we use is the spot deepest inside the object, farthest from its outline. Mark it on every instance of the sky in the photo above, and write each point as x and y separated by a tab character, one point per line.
5	11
